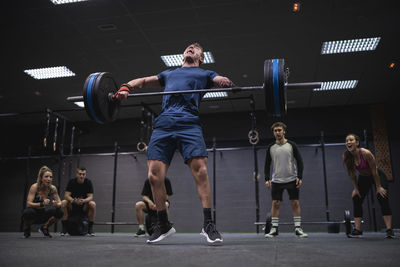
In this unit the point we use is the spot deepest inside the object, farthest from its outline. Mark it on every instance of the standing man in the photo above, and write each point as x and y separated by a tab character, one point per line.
178	127
79	192
286	174
147	204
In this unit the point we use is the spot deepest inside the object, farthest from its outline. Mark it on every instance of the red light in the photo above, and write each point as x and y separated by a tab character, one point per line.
391	65
296	7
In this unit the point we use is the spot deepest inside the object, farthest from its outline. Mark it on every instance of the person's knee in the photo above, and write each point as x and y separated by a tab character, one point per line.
64	204
356	199
92	205
199	168
385	206
155	178
29	214
59	213
140	206
276	203
295	203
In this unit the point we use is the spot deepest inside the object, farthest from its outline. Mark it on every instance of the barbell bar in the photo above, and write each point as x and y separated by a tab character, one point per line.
227	89
346	221
100	87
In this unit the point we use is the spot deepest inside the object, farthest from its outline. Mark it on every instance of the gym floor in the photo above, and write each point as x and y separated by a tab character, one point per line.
319	249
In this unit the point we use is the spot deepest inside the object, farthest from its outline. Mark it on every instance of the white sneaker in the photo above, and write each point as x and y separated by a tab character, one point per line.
272	233
300	233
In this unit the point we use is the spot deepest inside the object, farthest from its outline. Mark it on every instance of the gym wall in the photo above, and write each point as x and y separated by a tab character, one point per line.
235	188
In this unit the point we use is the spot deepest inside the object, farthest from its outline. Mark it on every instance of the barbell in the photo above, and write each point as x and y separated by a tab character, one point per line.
346	221
102	107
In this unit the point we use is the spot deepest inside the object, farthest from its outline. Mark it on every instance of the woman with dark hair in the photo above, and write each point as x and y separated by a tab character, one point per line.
43	205
361	160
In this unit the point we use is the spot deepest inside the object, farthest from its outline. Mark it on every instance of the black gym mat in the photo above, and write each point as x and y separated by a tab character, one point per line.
319	249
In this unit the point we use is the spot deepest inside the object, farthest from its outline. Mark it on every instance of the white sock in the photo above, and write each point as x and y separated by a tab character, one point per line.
141	227
297	221
275	222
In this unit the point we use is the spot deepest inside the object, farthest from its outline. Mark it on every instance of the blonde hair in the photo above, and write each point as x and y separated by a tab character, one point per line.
42	171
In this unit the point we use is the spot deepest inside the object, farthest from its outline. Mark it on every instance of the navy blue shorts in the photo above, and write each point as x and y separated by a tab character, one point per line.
188	140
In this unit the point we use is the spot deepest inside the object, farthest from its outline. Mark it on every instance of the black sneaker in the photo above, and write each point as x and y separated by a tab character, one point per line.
91	233
390	233
160	232
140	233
27	232
44	231
355	233
64	231
300	233
211	234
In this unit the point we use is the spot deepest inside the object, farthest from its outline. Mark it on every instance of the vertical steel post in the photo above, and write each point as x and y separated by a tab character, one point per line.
27	178
255	173
215	180
116	148
325	176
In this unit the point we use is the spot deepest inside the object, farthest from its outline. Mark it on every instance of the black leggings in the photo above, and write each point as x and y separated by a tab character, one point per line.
41	215
364	185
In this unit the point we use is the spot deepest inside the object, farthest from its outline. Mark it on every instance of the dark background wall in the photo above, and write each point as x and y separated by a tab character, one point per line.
235	186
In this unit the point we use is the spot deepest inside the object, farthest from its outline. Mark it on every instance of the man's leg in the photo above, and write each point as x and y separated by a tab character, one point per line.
274	218
140	209
294	193
275	208
64	219
276	196
198	167
157	172
296	211
91	207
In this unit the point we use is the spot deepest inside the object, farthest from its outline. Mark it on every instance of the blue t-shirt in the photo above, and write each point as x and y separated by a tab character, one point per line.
182	108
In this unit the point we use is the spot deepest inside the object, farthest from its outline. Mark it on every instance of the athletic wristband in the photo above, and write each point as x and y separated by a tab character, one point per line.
124	87
41	204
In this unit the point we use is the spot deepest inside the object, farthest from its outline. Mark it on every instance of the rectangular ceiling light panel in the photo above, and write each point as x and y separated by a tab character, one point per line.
60	2
337	85
49	73
80	104
348	46
213	95
176	60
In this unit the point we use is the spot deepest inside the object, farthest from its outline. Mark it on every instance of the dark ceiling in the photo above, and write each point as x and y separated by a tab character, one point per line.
240	34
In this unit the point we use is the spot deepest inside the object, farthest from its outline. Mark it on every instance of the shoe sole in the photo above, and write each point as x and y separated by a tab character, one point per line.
270	236
300	236
215	242
139	235
161	237
354	236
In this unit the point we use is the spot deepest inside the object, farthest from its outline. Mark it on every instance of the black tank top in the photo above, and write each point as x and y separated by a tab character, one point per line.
37	198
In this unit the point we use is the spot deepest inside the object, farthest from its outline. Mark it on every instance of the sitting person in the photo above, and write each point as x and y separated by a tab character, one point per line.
79	196
147	204
43	205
